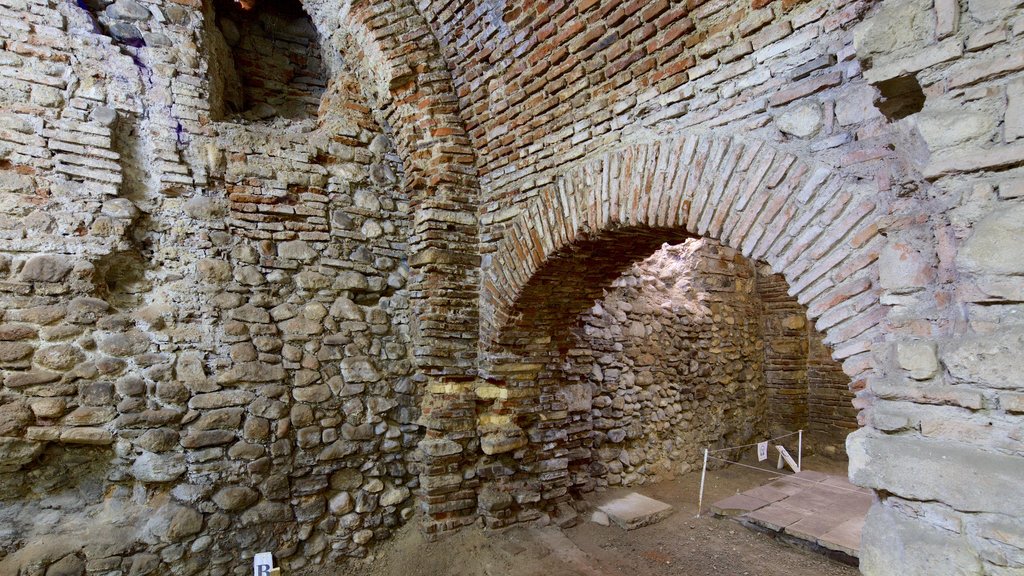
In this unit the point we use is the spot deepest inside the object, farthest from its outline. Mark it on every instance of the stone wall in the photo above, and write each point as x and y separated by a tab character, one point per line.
206	346
319	274
673	360
696	347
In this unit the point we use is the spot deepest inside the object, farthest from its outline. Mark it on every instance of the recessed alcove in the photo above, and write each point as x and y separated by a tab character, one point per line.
698	346
267	59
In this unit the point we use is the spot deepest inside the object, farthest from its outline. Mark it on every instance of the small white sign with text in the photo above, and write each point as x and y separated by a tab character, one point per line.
762	451
262	564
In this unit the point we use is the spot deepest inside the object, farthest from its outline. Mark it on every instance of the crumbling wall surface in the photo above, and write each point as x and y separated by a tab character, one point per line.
672	361
205	348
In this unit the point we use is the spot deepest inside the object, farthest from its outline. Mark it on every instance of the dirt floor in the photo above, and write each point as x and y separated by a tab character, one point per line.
681	545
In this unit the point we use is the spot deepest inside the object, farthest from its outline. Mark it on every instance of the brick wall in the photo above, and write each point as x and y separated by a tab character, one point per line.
808	389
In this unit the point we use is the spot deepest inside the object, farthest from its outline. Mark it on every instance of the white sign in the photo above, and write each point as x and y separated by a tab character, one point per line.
762	451
262	564
784	455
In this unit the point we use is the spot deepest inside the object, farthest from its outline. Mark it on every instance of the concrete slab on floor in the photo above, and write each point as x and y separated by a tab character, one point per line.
635	510
818	508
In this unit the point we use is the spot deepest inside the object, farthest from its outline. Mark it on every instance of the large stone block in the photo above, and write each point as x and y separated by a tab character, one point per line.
150	467
918	358
896	545
172	523
903	268
966	478
995	243
943	127
359	369
46	268
993	360
1013	122
896	28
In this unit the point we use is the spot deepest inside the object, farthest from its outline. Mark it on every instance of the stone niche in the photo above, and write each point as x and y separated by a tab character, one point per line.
266	60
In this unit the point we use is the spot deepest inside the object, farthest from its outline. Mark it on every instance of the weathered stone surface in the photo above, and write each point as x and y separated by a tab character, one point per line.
966	478
127	10
267	512
14	417
205	438
213	271
987	10
341	503
128	343
17	331
46	268
918	358
338	449
440	447
158	440
894	545
14	351
15	452
220	419
85	310
221	399
802	121
946	127
250	313
70	565
991	247
350	280
252	372
903	268
635	510
346	479
173	523
150	467
394	496
296	249
1013	122
205	208
359	370
87	435
59	357
992	360
29	378
234	498
90	415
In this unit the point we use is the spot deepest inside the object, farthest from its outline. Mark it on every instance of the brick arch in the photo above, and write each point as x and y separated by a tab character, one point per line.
569	241
806	221
390	49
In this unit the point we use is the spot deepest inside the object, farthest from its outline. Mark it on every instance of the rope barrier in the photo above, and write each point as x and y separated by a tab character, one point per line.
755	443
708	452
780	474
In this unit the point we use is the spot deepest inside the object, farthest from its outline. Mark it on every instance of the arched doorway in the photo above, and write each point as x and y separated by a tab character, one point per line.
579	233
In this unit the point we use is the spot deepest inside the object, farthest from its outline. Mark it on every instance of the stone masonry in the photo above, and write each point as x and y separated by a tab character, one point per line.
283	275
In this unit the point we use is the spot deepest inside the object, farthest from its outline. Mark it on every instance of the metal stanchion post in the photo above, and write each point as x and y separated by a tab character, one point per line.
703	472
800	451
